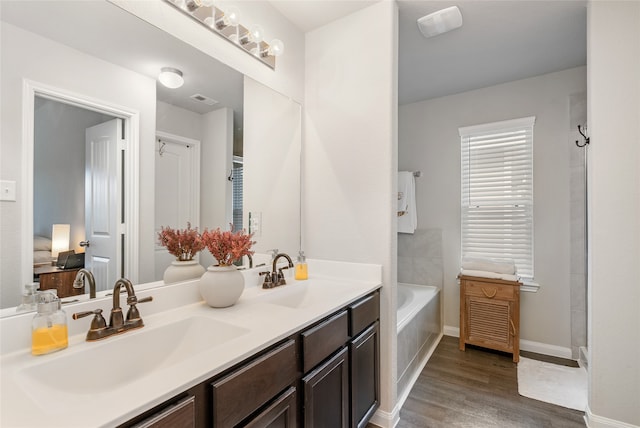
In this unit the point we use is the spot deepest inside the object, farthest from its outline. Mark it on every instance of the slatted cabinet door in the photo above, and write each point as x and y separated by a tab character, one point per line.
490	314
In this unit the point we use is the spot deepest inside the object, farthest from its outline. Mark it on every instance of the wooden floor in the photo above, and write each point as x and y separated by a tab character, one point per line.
477	388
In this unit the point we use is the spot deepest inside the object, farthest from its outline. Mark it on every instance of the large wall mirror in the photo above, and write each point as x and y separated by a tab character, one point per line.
221	134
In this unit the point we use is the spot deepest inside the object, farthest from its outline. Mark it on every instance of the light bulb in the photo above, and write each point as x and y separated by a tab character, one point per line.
232	16
171	77
256	33
276	47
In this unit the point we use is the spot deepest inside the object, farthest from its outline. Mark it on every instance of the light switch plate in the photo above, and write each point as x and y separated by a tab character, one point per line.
255	223
7	190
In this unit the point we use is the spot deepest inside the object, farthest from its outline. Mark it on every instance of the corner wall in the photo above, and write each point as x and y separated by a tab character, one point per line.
429	142
614	213
350	157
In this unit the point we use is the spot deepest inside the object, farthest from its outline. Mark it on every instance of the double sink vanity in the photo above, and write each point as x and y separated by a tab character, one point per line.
302	354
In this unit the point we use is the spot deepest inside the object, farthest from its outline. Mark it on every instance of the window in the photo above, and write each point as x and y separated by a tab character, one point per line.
497	191
237	194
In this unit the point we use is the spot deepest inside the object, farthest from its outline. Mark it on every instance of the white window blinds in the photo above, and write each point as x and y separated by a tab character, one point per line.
497	191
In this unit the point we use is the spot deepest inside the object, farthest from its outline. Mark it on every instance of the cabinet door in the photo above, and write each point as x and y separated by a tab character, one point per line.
365	375
326	393
179	415
280	414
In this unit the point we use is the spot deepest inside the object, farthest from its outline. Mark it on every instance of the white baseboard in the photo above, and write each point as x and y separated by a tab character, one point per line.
595	421
385	419
525	345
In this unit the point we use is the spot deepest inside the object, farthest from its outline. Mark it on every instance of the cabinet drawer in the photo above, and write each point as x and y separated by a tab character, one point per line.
179	415
281	413
364	313
489	290
245	390
323	340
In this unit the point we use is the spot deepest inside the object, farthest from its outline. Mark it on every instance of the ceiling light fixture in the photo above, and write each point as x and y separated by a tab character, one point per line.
171	77
226	23
440	21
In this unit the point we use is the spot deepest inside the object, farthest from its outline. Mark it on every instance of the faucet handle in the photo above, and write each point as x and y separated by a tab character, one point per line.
268	283
98	324
133	315
280	279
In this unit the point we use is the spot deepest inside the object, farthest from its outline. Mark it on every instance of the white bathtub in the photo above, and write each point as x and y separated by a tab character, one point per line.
411	299
419	330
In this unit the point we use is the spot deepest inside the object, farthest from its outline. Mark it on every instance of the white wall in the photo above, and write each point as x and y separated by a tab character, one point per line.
429	142
28	56
271	174
350	157
178	121
216	161
287	78
614	213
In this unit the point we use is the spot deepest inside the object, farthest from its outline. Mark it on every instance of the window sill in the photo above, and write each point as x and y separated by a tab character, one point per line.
529	285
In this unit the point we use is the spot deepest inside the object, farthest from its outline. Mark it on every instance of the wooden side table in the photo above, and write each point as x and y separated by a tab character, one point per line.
52	277
490	314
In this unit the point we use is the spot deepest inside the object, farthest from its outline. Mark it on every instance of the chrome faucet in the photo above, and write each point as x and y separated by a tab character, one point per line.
117	322
79	282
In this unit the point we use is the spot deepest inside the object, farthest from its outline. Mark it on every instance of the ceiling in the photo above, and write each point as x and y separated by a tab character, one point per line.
500	41
136	45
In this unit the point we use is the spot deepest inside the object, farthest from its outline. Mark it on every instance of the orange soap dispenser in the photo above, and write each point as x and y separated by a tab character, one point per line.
49	327
301	267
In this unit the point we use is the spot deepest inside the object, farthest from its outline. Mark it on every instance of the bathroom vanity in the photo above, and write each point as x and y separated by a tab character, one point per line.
325	375
302	354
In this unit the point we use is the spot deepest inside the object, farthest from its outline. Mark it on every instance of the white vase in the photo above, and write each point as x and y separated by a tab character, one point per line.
182	271
221	286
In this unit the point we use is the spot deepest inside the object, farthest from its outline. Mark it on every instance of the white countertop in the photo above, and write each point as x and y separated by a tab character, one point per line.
256	323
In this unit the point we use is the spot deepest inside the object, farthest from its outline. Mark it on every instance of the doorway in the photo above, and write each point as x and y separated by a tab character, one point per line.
37	99
177	190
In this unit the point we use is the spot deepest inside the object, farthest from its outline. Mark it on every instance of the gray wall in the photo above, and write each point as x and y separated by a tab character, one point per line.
429	142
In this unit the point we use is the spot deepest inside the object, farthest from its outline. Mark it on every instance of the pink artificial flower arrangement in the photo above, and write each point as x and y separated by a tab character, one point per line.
227	247
184	244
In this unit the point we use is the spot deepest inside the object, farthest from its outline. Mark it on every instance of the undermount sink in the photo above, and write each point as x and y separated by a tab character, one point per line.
118	360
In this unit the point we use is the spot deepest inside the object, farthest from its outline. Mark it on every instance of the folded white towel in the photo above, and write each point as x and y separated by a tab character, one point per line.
505	266
407	214
492	275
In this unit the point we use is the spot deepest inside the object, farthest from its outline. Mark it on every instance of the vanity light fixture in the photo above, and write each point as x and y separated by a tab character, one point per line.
440	21
226	23
171	77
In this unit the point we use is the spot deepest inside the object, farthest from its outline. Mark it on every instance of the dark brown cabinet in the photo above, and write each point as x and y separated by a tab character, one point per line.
365	375
344	391
326	375
326	393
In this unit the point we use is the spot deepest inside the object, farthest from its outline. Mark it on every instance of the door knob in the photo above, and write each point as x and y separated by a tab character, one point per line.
85	243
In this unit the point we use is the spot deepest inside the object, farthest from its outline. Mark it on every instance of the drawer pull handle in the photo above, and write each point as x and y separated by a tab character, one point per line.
513	327
490	295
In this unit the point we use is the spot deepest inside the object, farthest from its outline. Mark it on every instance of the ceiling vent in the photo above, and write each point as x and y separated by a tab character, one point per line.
440	22
204	99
